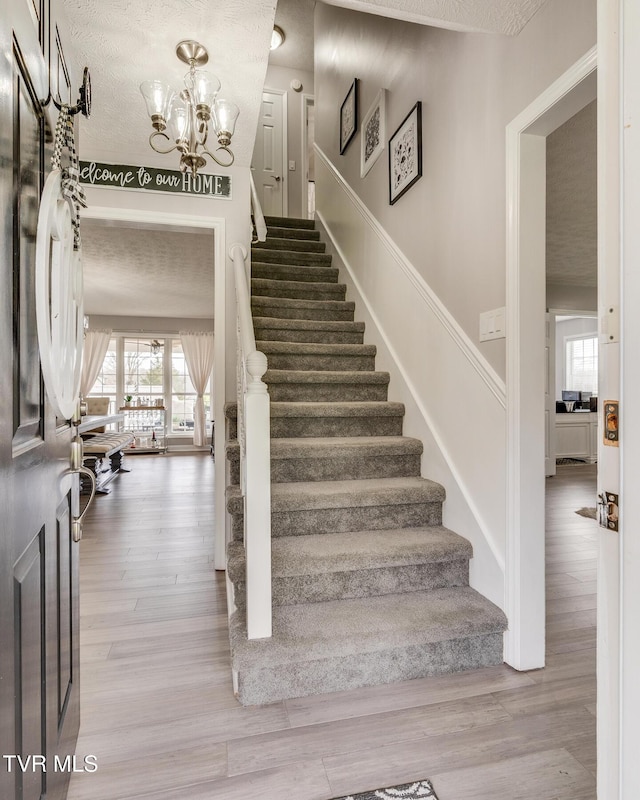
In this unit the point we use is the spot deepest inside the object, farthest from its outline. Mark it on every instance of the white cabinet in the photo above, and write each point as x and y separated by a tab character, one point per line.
577	435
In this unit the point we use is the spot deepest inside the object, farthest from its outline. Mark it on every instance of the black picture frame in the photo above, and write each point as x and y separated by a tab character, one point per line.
349	116
405	154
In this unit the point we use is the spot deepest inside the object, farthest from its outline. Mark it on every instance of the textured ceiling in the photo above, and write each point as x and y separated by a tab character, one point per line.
125	42
295	17
572	214
147	273
492	16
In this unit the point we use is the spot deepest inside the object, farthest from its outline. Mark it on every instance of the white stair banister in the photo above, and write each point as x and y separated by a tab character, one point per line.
255	453
256	210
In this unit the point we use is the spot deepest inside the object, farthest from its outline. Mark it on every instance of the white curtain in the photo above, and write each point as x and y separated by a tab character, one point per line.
198	353
95	347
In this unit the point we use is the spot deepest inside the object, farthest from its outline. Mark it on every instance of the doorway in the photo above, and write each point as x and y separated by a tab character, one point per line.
215	226
526	305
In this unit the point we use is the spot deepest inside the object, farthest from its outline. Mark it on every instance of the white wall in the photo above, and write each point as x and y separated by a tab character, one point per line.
149	324
280	78
451	224
423	269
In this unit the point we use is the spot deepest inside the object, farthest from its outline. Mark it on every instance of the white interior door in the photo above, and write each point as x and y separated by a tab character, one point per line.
550	396
268	155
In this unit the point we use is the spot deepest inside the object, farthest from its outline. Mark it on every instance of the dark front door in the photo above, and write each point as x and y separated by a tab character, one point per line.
39	680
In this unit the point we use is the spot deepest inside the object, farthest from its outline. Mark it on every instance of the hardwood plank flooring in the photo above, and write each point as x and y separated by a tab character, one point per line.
158	710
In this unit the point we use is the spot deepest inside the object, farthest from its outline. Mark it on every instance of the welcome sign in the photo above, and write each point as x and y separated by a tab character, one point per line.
151	179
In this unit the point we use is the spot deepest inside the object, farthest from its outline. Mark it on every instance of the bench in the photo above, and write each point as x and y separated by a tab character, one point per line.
102	454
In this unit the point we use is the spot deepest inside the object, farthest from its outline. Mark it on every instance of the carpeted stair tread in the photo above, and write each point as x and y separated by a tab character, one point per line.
316	384
328	457
275	256
289	222
325	376
370	492
337	446
332	566
293	272
365	408
281	232
303	309
311	348
297	290
304	330
339	628
317	554
298	245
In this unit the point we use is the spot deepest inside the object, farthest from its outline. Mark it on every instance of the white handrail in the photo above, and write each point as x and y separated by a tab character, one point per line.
255	458
256	210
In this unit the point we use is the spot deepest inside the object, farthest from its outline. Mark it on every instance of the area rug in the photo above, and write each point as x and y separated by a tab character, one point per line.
407	791
587	512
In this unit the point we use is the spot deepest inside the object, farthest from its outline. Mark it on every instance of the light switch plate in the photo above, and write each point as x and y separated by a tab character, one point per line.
493	324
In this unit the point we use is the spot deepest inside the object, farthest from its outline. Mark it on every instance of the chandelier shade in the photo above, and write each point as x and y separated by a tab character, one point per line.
189	114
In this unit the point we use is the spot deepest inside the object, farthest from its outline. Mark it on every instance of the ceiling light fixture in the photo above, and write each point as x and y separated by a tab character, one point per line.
277	37
189	112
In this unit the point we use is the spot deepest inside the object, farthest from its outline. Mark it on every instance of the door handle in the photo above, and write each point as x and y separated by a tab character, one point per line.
78	468
276	178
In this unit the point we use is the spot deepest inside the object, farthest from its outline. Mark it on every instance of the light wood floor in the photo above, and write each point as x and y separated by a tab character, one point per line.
158	711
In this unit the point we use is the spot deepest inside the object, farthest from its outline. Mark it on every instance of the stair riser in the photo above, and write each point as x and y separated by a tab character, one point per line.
293	257
306	336
300	245
362	583
330	469
320	469
339	520
326	392
320	362
292	233
291	312
335	426
258	686
291	223
269	288
301	427
277	272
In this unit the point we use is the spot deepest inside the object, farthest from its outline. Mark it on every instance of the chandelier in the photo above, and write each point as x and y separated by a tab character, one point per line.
189	113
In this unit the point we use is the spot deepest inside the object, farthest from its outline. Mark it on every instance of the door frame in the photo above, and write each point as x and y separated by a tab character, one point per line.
141	218
526	307
307	100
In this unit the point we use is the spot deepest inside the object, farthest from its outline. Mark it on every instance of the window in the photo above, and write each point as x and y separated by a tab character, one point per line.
183	394
581	360
151	370
106	382
144	370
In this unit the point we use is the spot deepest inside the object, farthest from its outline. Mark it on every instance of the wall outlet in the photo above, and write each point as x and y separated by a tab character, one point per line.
493	324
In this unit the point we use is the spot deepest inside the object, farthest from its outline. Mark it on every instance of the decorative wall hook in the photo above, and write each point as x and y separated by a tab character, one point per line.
84	103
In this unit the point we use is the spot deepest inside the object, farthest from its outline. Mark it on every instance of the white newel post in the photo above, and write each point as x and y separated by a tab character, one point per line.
254	435
257	501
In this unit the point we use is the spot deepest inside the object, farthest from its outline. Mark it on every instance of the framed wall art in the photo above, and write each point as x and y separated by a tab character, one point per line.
373	133
405	154
349	116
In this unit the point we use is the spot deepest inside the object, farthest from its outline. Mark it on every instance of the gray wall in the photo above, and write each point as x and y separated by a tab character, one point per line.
451	223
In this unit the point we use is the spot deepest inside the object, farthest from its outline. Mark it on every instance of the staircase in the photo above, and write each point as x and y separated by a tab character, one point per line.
368	586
